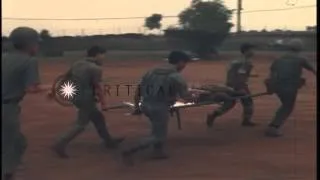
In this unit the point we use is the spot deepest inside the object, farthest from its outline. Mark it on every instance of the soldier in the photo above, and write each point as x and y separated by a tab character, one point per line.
88	78
218	93
237	78
20	75
285	75
158	90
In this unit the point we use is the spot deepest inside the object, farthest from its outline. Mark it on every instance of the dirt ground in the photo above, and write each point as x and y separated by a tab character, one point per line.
227	152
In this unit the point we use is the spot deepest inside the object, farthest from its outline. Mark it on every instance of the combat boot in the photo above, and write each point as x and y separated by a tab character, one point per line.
113	143
60	150
210	119
60	146
127	158
248	123
158	152
273	132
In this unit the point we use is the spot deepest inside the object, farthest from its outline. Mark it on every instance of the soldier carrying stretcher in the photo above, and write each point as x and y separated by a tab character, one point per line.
238	75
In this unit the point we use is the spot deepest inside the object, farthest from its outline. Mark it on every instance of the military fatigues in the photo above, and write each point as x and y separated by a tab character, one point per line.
85	74
286	75
18	72
159	90
218	93
237	78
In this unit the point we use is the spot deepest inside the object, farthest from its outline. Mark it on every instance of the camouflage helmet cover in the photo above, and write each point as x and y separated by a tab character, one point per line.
24	35
296	44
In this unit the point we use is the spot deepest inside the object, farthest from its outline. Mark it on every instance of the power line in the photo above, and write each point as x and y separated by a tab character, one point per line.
283	9
84	19
123	18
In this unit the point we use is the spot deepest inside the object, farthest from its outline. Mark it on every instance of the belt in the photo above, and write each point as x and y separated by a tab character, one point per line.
11	101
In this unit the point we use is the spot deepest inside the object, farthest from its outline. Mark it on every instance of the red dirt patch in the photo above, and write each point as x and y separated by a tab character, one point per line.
227	152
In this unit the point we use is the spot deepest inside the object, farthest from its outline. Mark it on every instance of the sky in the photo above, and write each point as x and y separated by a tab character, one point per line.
296	19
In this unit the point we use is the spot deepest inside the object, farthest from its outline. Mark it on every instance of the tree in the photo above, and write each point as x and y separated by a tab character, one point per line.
193	2
45	34
278	30
204	26
210	16
153	22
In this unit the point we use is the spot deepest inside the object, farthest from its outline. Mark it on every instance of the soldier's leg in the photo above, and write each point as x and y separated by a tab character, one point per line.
248	107
13	142
79	126
159	122
159	125
159	132
223	109
98	121
287	97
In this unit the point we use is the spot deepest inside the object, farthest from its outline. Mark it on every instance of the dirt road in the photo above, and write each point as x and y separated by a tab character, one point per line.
227	152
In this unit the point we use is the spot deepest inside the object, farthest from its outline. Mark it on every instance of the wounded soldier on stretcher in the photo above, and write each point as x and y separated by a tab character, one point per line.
217	93
210	94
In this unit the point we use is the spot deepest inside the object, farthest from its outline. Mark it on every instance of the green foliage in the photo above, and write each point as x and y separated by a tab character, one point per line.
204	26
210	16
153	22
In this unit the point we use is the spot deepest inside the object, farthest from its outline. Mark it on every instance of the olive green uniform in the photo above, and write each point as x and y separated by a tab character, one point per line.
85	74
286	74
160	88
18	72
217	93
237	78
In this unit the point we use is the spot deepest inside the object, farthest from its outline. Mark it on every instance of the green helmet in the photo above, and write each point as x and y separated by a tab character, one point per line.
295	44
24	35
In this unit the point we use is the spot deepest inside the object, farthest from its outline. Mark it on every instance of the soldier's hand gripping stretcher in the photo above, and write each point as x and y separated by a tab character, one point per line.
191	97
216	94
202	95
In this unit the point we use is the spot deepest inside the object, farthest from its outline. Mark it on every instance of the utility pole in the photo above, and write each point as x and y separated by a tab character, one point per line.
82	32
239	16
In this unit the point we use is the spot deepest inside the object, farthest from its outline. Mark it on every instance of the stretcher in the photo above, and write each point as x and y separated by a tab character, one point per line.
175	109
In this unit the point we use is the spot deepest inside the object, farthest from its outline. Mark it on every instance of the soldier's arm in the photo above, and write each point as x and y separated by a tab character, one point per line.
308	66
99	86
272	72
32	78
136	100
233	72
181	87
137	96
232	67
253	73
